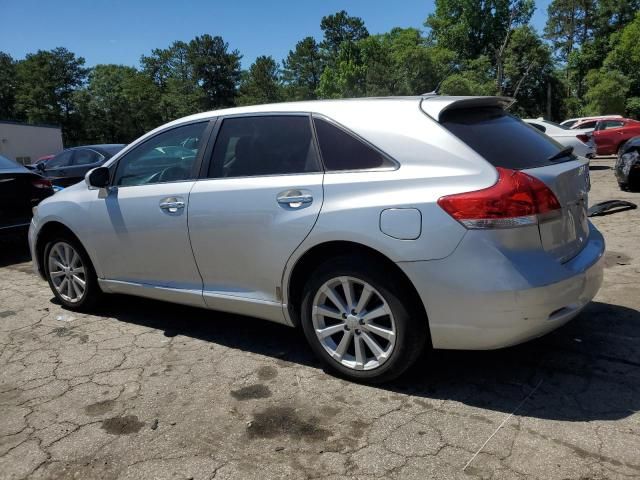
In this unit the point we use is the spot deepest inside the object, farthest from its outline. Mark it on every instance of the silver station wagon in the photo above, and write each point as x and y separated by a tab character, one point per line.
379	226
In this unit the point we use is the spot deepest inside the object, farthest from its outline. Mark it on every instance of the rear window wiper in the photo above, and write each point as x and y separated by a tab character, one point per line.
565	152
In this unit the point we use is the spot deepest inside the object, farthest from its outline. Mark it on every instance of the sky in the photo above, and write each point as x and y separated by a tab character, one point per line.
120	31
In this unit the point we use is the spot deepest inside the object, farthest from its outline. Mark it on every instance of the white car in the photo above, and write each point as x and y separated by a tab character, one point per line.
581	140
570	122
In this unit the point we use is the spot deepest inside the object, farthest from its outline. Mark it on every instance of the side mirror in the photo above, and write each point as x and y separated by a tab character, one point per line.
97	178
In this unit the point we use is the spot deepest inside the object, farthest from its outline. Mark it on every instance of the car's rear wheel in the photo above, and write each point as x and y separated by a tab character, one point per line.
70	273
360	322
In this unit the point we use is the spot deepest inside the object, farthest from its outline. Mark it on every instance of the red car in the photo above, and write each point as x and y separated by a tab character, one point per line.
610	134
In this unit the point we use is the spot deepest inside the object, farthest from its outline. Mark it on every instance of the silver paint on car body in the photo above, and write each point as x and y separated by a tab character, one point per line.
236	241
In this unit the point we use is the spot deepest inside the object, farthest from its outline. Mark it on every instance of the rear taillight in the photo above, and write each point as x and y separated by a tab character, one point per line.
516	199
41	183
583	138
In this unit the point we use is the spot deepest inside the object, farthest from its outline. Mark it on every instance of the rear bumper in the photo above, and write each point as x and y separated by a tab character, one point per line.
485	297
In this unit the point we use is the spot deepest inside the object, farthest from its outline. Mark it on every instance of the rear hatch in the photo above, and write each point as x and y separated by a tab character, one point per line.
508	143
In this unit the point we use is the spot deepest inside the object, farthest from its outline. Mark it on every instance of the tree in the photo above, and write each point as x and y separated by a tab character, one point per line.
46	81
475	77
399	63
302	69
119	104
173	73
261	84
216	69
569	24
476	27
528	73
607	91
625	54
340	29
7	86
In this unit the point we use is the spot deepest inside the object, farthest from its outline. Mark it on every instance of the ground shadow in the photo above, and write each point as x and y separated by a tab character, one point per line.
587	370
599	167
14	249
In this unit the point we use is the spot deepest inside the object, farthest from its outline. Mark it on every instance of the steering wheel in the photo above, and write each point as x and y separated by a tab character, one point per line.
172	174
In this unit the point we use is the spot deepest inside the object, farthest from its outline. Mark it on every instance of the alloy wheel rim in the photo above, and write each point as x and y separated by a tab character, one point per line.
67	272
353	323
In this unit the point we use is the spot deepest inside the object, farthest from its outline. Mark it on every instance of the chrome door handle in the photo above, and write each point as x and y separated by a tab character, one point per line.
294	198
172	205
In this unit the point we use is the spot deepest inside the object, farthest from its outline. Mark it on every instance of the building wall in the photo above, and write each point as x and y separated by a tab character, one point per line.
26	143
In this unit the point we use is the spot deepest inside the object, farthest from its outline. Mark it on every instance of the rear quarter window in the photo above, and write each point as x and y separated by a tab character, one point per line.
503	140
342	151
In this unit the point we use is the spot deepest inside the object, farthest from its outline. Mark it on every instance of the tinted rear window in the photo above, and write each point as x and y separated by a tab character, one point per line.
342	151
503	140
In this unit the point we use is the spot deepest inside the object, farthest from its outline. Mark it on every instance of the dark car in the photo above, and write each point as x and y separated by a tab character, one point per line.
70	165
20	191
628	165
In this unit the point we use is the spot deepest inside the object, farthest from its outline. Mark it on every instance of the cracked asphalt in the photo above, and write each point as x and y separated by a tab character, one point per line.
144	389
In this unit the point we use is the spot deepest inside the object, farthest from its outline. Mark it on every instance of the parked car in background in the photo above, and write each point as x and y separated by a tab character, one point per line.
20	191
610	135
377	225
571	122
627	167
591	122
71	165
580	140
43	159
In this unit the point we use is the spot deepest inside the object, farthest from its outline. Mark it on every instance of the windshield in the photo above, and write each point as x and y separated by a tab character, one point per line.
549	122
502	139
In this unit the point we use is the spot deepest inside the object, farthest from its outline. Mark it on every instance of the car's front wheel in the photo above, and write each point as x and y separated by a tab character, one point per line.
70	273
360	322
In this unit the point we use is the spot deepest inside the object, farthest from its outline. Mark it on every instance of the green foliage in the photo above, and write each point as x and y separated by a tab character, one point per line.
119	104
174	76
216	69
340	29
473	47
8	86
625	54
474	78
633	107
476	27
607	91
46	81
261	84
302	70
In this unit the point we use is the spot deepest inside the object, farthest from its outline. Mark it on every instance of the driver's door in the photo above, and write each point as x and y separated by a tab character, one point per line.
139	224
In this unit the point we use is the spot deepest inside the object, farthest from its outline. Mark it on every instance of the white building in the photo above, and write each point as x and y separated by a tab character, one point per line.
26	143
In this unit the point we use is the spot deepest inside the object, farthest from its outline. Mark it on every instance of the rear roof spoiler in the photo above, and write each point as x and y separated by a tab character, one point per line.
435	106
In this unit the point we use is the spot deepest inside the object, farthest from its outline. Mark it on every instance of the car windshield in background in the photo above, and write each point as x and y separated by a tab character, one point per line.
110	150
503	140
563	127
6	163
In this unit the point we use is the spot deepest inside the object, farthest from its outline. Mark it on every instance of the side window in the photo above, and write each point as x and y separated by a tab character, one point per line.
264	145
86	157
539	127
342	151
612	124
162	158
61	160
587	125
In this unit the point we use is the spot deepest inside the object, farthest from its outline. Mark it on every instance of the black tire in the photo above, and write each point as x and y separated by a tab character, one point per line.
92	293
410	322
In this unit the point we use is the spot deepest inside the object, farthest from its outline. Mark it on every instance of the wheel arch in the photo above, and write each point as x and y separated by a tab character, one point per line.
310	260
45	233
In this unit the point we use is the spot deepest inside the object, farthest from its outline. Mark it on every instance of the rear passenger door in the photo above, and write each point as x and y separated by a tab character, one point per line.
260	198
